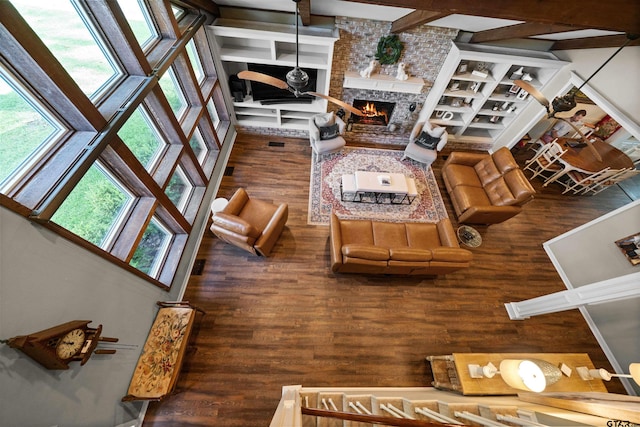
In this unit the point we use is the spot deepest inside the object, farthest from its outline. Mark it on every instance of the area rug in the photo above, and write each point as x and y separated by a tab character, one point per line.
324	189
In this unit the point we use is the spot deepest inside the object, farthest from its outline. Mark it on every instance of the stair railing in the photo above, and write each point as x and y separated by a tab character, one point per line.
437	416
372	419
395	411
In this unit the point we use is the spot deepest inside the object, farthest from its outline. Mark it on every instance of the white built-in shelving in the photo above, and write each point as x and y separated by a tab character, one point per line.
238	42
482	105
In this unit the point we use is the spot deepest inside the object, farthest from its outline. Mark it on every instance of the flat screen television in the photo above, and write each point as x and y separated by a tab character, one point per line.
267	94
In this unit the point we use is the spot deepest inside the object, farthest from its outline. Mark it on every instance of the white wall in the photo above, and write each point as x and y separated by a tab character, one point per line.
588	254
46	280
618	81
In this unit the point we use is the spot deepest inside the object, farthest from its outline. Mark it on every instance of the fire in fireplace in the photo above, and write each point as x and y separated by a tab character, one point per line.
376	113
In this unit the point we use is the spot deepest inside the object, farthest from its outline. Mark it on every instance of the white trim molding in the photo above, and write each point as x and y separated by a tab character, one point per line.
611	290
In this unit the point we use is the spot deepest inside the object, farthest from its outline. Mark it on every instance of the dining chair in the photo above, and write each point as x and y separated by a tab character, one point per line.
546	160
579	182
604	183
633	152
535	144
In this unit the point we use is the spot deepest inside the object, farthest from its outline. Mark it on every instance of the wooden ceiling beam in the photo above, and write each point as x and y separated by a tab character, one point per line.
616	40
304	10
517	31
208	5
612	15
415	19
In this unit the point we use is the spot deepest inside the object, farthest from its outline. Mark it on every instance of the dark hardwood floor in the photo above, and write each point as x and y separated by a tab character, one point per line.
287	319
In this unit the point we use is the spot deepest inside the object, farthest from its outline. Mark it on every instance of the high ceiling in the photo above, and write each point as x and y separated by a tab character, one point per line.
567	24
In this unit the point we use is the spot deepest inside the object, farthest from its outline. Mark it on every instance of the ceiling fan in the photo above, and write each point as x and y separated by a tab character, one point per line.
567	102
297	79
559	104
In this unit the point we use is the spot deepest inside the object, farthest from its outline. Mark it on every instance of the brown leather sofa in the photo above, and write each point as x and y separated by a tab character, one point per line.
486	188
251	224
376	247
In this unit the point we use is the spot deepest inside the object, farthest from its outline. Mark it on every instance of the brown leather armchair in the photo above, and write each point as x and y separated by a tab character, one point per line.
251	224
485	188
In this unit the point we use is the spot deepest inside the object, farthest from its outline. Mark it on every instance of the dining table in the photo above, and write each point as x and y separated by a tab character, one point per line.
578	156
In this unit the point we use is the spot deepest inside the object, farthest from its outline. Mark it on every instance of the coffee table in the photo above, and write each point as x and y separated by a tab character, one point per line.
378	187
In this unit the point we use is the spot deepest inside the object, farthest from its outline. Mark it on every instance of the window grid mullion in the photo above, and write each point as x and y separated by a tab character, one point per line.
118	34
95	127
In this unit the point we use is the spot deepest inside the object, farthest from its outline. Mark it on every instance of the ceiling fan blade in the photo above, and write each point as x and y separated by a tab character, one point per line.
595	152
263	78
534	92
344	105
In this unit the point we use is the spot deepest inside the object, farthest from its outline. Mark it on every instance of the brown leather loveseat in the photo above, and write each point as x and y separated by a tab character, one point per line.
486	188
376	247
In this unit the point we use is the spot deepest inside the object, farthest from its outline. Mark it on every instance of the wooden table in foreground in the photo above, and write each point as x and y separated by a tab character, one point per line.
584	160
450	372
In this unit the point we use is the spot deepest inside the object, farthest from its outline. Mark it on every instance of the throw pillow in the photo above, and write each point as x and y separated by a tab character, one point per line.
329	132
427	141
325	119
436	131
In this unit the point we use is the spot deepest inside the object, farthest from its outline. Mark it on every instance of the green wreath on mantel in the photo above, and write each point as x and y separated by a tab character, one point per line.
389	49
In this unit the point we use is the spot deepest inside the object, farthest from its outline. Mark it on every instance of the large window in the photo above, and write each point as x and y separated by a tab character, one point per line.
179	189
27	130
142	137
95	207
140	21
152	249
106	132
75	43
173	92
195	61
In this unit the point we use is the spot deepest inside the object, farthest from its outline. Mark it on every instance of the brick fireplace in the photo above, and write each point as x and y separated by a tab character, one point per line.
425	49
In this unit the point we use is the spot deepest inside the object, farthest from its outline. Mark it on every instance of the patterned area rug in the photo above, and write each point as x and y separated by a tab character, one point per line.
324	191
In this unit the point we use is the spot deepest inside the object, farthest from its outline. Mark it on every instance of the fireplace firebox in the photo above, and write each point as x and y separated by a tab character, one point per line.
376	113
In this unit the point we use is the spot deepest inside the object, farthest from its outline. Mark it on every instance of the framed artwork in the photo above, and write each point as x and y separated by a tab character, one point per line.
607	126
630	247
522	94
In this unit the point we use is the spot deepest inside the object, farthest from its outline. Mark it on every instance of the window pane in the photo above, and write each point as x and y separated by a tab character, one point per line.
25	130
73	41
198	146
139	134
93	208
178	12
192	52
211	107
152	248
139	20
173	92
179	189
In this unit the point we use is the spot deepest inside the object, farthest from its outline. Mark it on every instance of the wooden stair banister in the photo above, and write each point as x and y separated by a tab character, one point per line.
373	419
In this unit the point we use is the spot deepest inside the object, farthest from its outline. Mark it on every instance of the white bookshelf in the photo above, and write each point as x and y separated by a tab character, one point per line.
484	106
239	42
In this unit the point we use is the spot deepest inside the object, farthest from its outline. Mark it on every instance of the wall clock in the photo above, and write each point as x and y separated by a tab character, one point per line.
56	347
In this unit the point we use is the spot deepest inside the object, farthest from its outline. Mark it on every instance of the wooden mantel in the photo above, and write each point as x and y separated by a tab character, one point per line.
382	82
